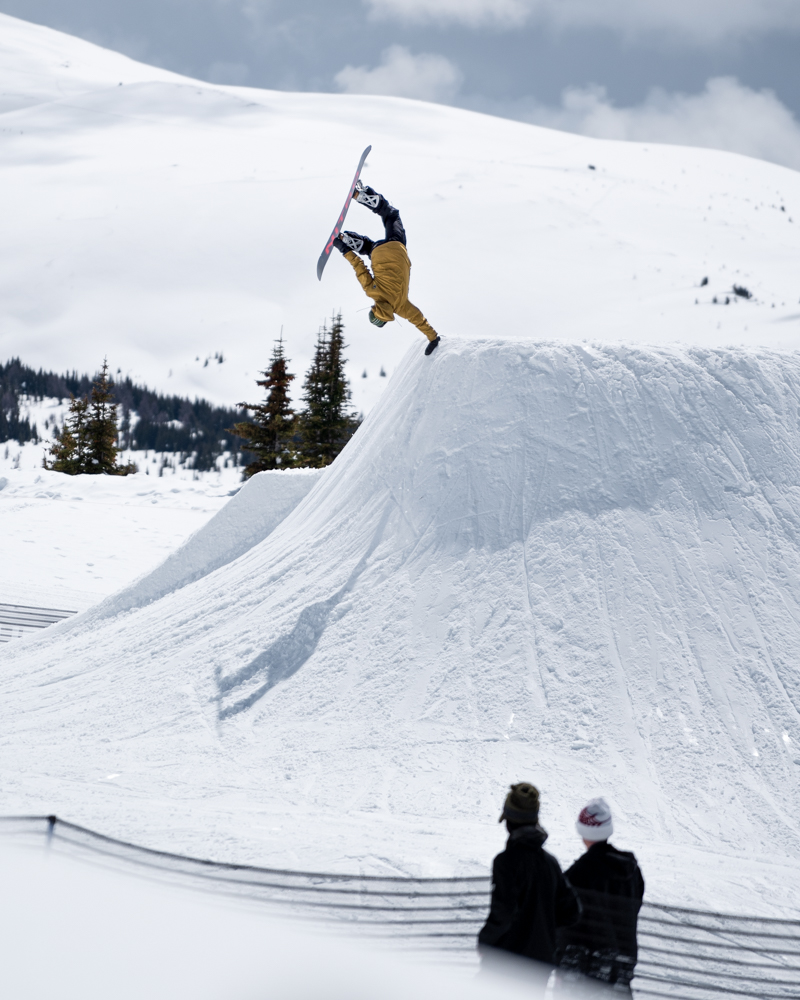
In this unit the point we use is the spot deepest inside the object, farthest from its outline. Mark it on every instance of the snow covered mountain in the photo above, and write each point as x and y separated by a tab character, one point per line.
166	219
543	556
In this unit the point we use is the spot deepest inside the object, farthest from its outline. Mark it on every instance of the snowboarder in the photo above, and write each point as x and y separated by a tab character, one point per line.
530	896
388	286
609	884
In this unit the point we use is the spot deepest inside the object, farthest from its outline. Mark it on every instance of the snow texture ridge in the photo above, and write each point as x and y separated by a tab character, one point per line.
571	564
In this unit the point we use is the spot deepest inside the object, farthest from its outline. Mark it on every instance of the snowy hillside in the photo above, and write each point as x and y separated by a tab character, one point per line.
164	220
573	564
38	65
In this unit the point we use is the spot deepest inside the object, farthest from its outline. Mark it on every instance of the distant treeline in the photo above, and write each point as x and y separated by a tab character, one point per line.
166	423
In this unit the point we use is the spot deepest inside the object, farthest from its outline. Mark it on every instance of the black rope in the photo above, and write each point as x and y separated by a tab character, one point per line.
231	866
724	975
660	993
760	994
223	880
720	944
468	895
715	930
725	916
723	958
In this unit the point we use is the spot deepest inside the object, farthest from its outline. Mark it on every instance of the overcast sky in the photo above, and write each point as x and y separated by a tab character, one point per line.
707	72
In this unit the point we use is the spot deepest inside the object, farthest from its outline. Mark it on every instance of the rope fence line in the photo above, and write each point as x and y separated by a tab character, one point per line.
714	950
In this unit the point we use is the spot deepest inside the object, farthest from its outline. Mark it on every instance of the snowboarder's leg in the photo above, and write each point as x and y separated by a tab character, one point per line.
390	216
410	312
393	225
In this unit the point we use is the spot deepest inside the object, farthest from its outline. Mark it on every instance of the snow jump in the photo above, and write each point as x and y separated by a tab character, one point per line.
387	284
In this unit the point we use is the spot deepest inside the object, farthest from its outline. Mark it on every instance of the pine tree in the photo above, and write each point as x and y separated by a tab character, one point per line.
102	457
312	419
69	450
269	437
88	440
325	424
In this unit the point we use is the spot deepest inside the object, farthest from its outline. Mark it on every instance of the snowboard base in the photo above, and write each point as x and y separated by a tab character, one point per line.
323	257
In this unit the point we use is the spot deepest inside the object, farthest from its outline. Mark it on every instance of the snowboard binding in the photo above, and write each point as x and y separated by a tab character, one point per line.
349	241
365	195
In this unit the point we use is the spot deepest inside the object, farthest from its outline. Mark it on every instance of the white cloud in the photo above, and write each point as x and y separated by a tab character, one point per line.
473	12
726	115
700	20
427	77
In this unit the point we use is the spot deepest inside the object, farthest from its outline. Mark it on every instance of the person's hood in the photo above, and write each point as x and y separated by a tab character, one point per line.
621	864
530	834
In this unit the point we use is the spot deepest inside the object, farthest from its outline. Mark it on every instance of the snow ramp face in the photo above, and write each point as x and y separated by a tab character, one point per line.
576	565
249	517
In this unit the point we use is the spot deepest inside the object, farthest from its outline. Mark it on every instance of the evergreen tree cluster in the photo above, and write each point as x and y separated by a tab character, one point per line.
12	428
281	438
195	429
87	443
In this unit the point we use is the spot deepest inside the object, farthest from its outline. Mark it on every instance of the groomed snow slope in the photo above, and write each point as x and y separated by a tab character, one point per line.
573	564
167	219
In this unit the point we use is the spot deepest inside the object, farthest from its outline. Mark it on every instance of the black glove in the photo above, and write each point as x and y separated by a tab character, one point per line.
340	246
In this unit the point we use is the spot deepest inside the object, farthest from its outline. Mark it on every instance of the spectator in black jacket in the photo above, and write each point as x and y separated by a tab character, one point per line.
530	896
609	884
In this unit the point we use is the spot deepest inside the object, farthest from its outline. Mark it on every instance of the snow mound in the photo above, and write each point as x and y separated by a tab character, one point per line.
573	564
255	511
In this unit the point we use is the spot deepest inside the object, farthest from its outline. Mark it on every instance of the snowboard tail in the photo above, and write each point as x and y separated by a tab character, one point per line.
323	257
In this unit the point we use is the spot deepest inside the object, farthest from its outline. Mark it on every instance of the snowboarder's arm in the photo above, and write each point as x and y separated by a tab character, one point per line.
382	308
363	273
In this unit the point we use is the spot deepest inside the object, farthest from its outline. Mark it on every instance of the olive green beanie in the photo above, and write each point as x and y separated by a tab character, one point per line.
522	804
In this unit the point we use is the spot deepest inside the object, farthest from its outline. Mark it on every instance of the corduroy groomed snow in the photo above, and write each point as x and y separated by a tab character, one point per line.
594	822
522	804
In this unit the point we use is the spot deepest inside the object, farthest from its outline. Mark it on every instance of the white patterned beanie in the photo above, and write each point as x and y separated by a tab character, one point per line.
594	822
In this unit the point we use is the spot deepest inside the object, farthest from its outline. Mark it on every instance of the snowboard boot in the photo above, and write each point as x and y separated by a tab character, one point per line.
374	319
432	345
367	196
352	241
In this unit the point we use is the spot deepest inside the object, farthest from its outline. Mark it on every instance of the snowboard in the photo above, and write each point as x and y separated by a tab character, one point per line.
323	257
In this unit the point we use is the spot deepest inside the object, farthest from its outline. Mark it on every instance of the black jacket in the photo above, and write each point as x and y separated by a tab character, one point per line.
530	898
610	887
